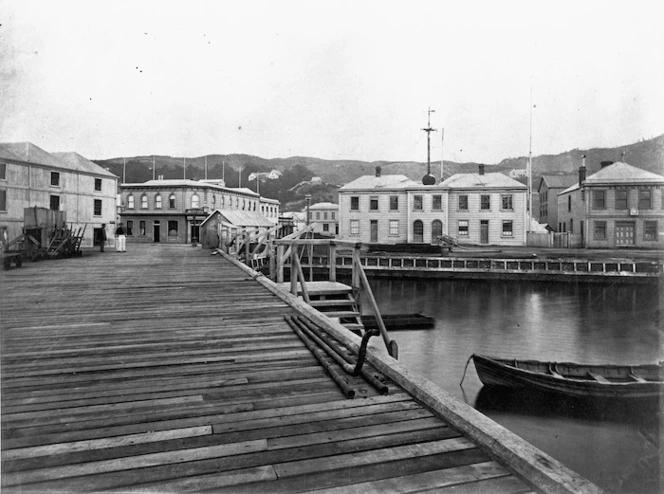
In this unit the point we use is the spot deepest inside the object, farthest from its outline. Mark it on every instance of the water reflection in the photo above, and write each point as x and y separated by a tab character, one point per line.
561	322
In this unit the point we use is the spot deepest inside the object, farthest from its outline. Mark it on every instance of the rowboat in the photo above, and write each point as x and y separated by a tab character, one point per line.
570	379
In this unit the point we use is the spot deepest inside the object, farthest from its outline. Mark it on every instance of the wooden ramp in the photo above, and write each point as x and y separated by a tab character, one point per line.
166	369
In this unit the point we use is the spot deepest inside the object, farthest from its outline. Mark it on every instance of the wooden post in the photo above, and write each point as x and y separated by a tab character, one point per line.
272	259
280	263
293	272
355	279
333	261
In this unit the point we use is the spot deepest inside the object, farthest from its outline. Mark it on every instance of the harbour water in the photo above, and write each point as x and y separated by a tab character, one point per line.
619	324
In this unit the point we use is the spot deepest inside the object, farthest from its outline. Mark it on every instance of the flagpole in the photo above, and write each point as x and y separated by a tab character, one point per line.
184	168
442	142
124	170
154	167
206	167
530	161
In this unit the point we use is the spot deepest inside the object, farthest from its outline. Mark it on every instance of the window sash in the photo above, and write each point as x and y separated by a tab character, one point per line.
508	228
394	203
600	230
55	179
621	199
354	203
485	202
645	199
599	199
507	204
98	184
417	203
463	203
437	202
394	227
462	228
649	230
354	227
373	203
97	207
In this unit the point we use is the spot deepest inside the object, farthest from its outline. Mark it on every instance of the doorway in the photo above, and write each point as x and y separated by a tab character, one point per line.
484	231
624	233
374	231
156	232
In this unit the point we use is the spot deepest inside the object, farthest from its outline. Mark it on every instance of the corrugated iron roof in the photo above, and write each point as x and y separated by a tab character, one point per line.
559	181
82	164
324	205
28	152
486	181
242	218
620	172
382	182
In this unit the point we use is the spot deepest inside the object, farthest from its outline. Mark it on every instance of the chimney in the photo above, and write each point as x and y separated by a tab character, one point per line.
582	171
481	169
378	171
604	164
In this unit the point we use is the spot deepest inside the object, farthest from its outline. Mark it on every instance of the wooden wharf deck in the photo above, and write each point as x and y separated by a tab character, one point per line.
166	369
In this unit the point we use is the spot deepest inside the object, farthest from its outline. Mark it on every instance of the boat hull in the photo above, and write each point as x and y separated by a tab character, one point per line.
596	381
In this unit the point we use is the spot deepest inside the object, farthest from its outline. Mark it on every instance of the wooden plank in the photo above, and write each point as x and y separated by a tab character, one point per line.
112	442
134	462
426	481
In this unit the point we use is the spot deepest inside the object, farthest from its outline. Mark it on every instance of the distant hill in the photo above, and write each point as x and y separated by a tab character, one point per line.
645	154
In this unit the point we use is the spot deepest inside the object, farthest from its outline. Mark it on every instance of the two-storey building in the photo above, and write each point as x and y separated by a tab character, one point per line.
173	210
549	188
618	206
325	218
476	208
30	176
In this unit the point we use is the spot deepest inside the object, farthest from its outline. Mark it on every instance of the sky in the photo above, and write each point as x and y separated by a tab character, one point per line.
330	79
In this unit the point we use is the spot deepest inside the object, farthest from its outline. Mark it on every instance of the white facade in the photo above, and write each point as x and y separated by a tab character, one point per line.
477	208
324	216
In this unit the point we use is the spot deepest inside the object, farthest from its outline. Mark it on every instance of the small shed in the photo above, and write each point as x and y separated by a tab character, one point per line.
221	226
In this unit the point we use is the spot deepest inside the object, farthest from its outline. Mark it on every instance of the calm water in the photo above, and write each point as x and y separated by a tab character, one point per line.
563	322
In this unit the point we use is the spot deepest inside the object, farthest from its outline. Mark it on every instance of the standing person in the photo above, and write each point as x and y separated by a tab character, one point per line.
102	237
120	244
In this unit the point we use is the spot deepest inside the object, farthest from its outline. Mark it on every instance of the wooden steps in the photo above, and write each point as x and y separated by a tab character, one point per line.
166	369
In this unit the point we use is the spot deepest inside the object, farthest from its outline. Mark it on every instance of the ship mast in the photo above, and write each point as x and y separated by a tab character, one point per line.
429	179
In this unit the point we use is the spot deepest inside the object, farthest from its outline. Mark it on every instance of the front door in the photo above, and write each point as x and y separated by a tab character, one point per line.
195	232
156	237
624	233
374	231
484	231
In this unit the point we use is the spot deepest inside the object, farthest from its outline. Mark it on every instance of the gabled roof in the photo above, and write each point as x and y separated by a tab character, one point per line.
77	162
324	205
382	182
620	172
486	181
7	154
241	218
558	181
28	152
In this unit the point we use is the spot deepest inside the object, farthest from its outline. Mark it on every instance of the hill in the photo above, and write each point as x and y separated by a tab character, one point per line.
645	154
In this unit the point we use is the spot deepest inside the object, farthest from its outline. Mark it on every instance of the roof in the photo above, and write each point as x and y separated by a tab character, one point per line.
486	181
324	205
187	182
620	172
7	154
383	182
242	218
77	162
28	152
558	181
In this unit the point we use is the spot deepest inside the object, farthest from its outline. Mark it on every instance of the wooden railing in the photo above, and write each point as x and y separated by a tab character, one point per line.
289	252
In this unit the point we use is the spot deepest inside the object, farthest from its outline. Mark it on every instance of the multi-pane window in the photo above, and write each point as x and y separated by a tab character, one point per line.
485	201
130	227
354	203
333	215
507	228
326	227
600	230
144	201
171	201
97	207
463	203
506	202
325	215
599	199
645	199
394	203
311	215
55	179
195	202
157	201
172	228
621	198
417	203
463	228
437	203
3	200
354	227
130	202
318	215
394	227
141	227
373	203
54	203
3	171
649	230
98	184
